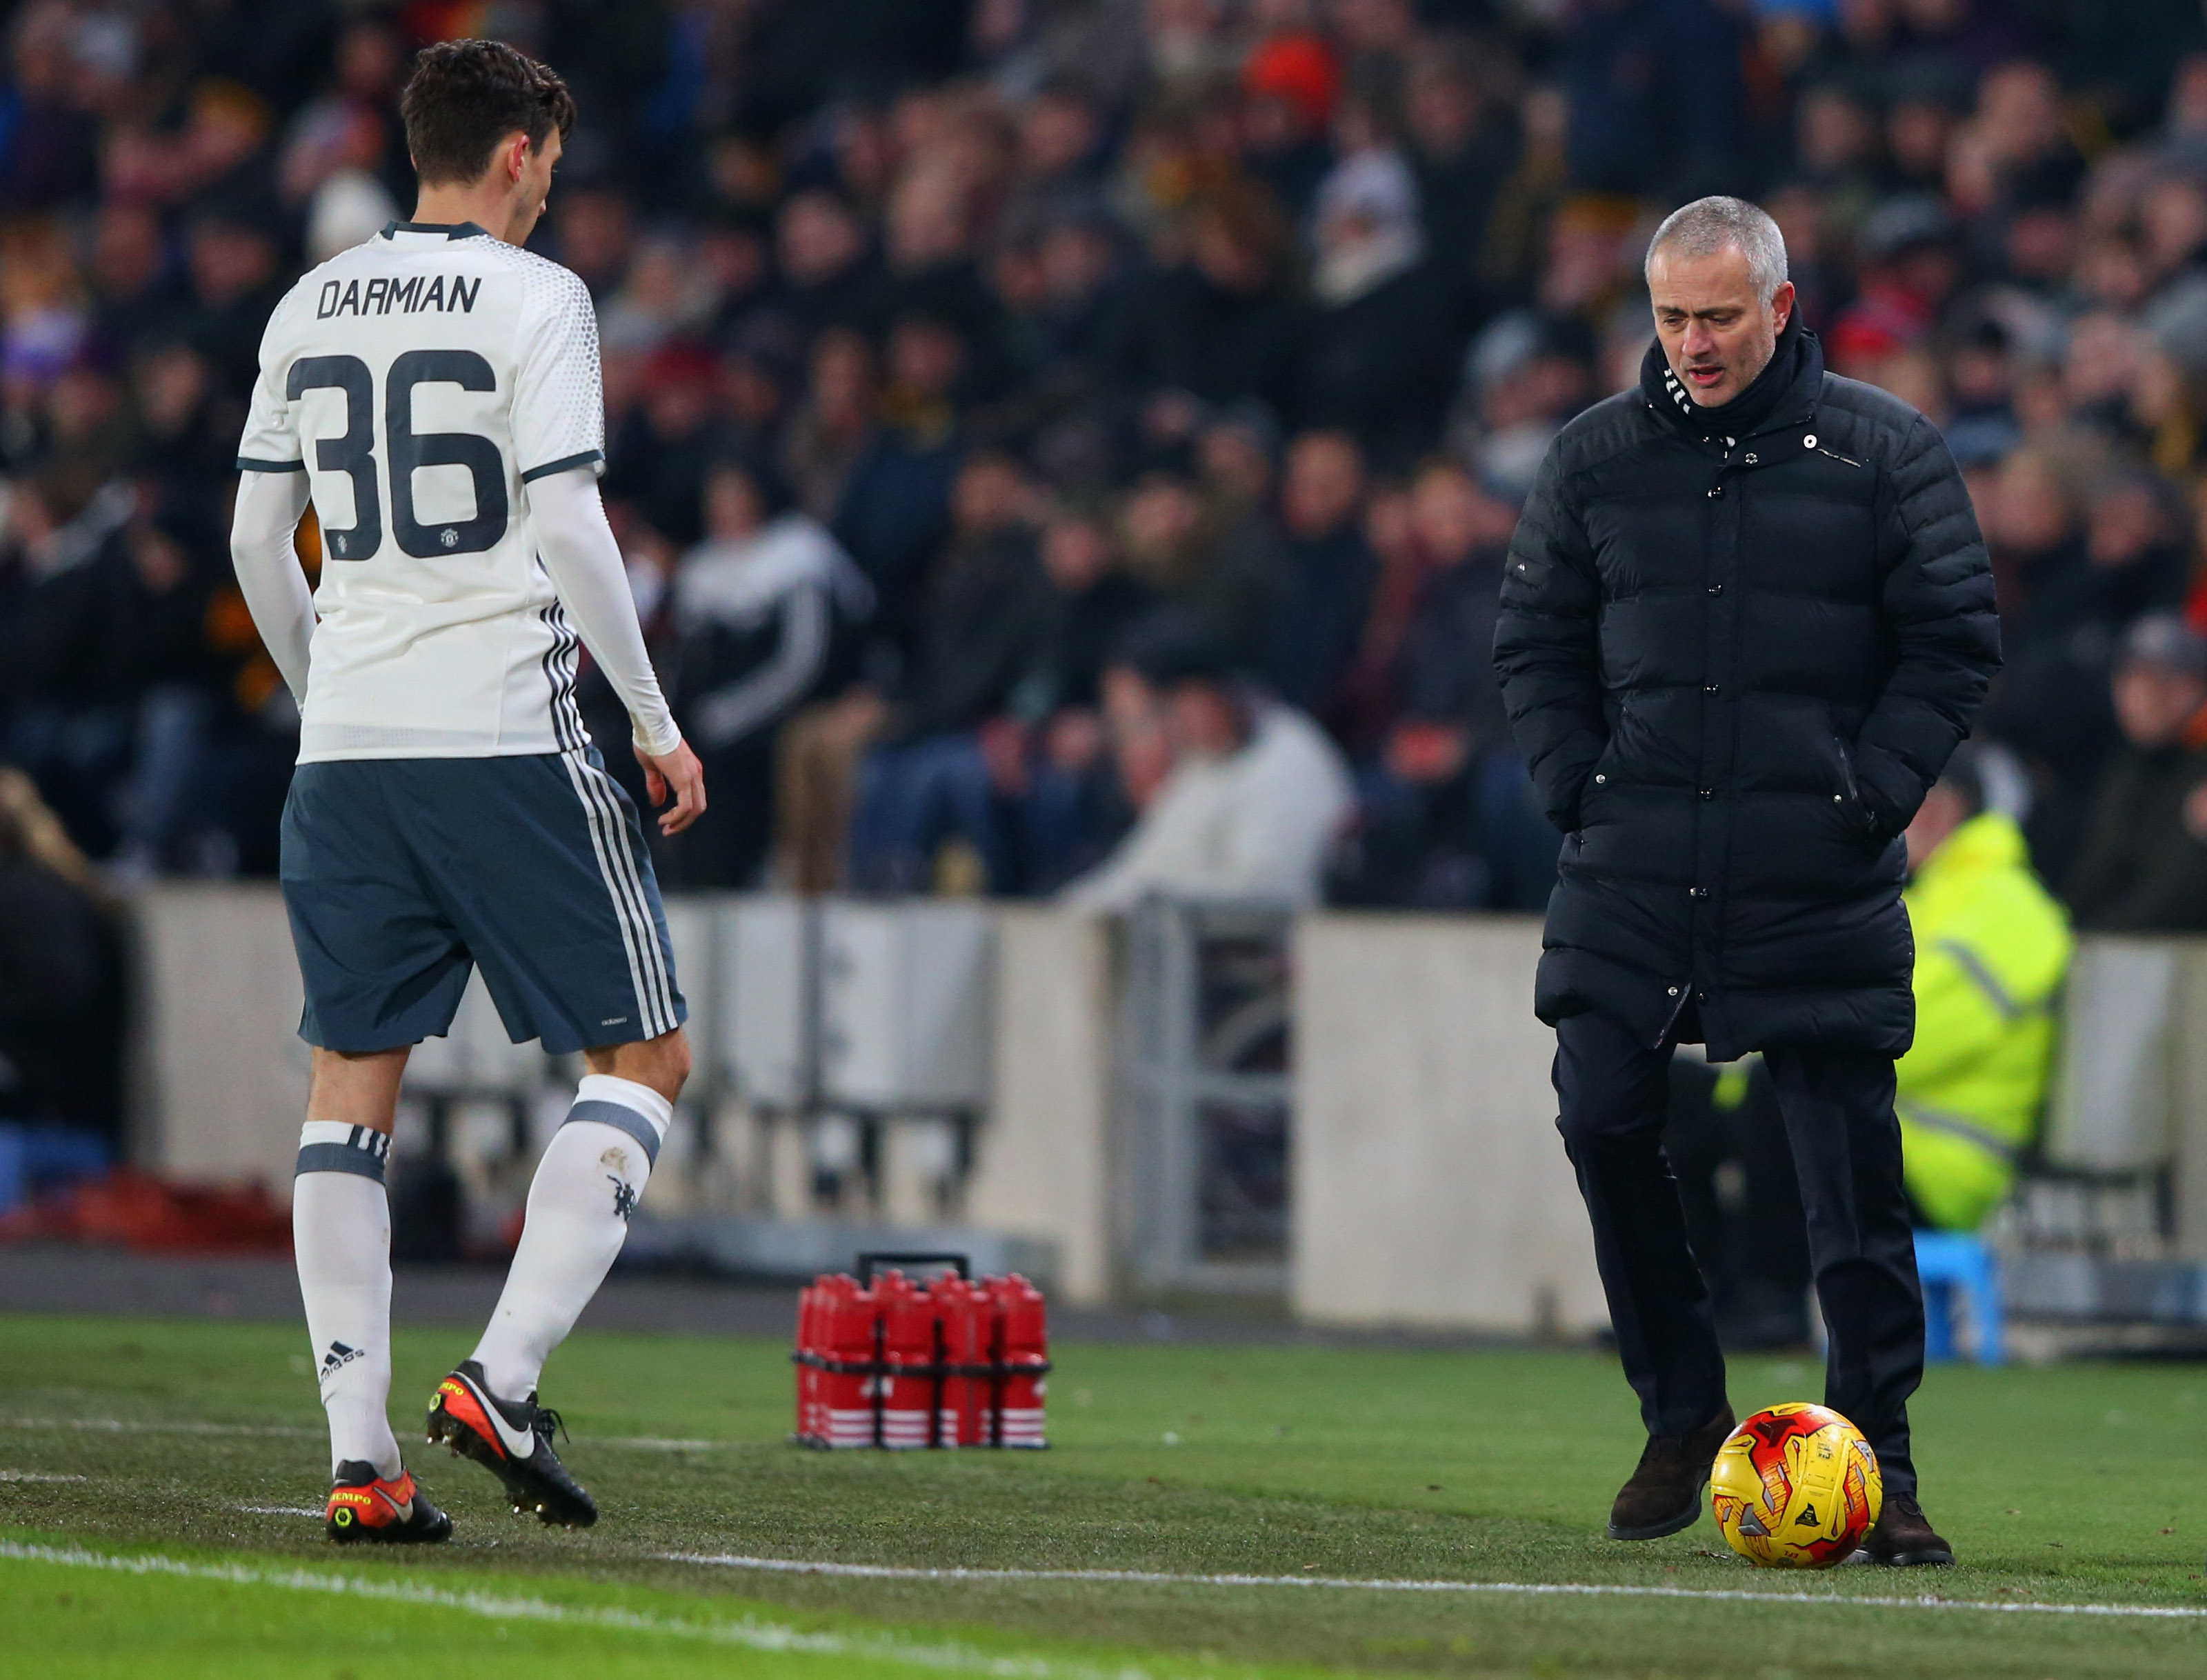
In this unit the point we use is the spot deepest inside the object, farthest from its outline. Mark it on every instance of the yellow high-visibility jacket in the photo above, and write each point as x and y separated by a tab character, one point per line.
1991	947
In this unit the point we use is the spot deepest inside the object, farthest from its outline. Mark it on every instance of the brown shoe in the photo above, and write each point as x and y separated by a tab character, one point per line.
1903	1537
1665	1493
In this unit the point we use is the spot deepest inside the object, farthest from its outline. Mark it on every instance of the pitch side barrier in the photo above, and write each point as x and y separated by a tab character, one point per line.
1348	1112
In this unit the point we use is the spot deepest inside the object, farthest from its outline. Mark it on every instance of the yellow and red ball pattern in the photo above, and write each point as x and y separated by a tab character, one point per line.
1796	1487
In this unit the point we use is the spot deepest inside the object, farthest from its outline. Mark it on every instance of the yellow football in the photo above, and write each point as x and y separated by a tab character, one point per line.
1796	1488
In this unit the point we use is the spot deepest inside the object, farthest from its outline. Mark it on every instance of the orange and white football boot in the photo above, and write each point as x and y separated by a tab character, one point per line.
363	1506
512	1439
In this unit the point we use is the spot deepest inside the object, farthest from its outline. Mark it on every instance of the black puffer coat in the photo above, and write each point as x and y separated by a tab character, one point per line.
1736	646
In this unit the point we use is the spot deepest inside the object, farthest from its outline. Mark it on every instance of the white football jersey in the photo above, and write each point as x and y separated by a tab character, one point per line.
420	380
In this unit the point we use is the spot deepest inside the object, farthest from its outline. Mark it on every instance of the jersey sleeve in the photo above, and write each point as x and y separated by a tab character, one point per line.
271	443
559	392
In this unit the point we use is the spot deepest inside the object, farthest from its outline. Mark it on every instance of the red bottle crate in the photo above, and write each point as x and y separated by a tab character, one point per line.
955	1363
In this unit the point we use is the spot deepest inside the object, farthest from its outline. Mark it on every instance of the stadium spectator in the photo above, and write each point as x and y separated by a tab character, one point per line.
1445	821
2078	582
1382	343
763	612
829	433
1462	143
1991	951
1224	323
985	609
1211	543
657	460
2141	866
1255	798
1326	570
1052	753
61	975
895	513
1093	604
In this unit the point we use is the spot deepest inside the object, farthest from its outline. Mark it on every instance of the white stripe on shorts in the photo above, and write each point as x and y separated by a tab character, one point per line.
647	968
659	979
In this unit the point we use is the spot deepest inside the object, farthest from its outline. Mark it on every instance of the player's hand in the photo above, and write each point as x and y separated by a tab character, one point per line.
676	776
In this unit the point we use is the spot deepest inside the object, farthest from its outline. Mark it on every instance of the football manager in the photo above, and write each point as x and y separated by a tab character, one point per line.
1746	618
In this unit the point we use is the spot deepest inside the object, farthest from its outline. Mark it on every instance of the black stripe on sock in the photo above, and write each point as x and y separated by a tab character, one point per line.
365	1152
621	1119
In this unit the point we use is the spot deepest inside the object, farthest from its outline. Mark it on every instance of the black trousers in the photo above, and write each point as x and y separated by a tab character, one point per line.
1613	1090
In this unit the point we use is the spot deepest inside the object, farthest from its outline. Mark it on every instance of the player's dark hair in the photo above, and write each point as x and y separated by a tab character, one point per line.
464	97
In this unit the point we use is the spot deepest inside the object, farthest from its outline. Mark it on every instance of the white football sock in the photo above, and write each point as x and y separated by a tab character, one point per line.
587	1185
341	1238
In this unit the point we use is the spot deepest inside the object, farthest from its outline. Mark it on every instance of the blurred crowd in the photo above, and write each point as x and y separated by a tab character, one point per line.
1031	421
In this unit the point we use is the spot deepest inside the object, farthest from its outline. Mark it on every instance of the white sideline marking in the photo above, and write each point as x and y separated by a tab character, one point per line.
281	1510
1504	1588
287	1432
751	1634
34	1475
135	1426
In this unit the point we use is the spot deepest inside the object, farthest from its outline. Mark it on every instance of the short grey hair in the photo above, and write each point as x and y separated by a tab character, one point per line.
1706	226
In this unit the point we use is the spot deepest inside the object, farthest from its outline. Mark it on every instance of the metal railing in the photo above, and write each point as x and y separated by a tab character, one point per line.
1205	1057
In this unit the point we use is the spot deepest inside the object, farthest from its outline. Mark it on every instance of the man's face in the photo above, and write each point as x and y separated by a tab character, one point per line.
819	239
1325	482
2154	703
1203	719
127	256
987	494
926	357
228	261
1716	333
1943	811
1445	512
1076	553
1234	458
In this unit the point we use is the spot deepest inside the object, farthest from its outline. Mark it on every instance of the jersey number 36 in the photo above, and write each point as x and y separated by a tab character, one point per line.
354	454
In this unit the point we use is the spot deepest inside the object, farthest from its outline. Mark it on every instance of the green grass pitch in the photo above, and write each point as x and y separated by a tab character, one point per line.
151	1476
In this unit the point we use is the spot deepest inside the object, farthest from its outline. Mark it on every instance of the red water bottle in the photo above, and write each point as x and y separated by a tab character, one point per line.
908	1362
1022	1361
964	1418
849	1319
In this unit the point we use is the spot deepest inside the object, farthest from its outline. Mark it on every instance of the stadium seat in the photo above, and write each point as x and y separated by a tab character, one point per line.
1960	1274
35	1157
